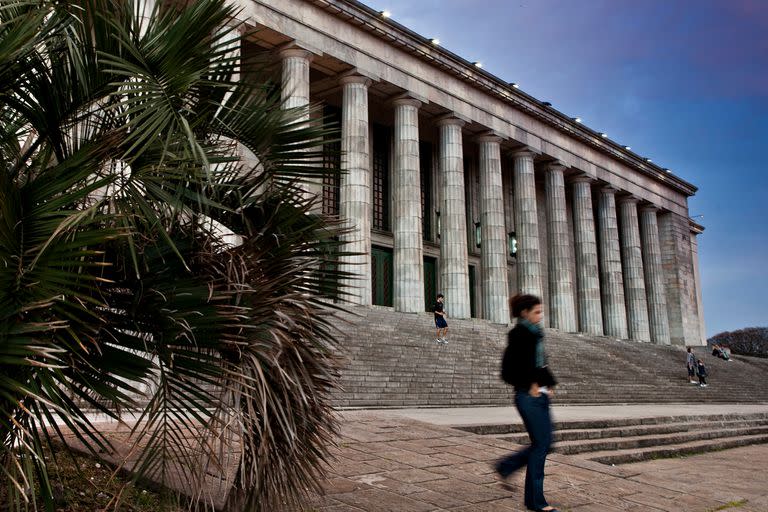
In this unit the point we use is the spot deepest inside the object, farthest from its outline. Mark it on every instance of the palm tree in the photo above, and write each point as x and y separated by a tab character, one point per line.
157	256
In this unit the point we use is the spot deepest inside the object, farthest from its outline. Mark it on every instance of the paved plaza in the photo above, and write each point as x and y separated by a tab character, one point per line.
388	461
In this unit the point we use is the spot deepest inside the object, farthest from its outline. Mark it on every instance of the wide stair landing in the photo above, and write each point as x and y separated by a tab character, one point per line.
393	361
621	441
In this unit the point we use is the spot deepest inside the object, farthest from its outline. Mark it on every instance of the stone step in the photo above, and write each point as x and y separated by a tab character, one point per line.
618	423
677	450
637	431
645	441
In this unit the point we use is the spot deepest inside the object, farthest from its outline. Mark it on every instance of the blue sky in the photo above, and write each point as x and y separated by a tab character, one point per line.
684	82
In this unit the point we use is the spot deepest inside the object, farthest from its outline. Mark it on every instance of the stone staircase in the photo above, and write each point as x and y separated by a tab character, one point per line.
622	441
393	361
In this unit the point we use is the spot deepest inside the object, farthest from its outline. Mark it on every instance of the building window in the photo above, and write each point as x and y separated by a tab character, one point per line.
425	174
332	161
381	183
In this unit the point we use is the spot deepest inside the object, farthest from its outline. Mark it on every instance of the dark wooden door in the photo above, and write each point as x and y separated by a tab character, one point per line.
381	275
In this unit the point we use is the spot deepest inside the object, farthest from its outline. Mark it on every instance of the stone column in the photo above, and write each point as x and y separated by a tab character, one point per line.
632	265
295	94
562	312
587	270
654	276
295	87
614	308
527	225
355	192
406	192
454	276
145	10
493	235
696	230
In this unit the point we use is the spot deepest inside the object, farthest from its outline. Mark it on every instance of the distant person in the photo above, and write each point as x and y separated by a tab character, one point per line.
690	362
441	325
525	367
702	372
726	352
716	350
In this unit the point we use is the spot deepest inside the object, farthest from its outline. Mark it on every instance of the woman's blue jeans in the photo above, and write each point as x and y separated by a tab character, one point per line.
538	423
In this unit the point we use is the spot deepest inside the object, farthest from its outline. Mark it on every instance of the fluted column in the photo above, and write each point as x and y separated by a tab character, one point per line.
587	270
454	275
632	267
654	276
295	86
406	191
145	10
562	311
493	236
355	193
612	280
527	225
295	94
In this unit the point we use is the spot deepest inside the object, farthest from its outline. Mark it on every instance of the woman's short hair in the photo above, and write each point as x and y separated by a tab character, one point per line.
522	302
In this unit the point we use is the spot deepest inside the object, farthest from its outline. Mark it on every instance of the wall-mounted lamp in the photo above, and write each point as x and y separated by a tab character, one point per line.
512	243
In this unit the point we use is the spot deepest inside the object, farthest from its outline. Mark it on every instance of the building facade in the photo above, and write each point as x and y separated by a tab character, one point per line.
459	182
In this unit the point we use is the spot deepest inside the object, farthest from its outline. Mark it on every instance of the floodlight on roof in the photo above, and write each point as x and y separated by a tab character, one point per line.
515	85
576	119
604	135
477	64
627	148
648	160
385	14
435	41
546	103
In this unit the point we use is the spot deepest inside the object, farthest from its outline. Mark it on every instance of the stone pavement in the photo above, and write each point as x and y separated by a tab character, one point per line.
388	462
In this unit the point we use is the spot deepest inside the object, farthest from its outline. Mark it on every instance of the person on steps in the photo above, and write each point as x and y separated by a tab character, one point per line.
524	366
440	323
702	372
690	362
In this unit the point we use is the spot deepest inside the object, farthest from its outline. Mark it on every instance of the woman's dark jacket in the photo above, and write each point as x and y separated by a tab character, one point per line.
518	367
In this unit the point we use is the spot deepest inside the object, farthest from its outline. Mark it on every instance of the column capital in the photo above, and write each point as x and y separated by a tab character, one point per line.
608	189
488	136
353	78
583	178
627	199
406	100
524	152
295	51
648	207
556	166
450	120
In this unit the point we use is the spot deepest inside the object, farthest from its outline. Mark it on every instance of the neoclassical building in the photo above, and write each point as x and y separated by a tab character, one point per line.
459	182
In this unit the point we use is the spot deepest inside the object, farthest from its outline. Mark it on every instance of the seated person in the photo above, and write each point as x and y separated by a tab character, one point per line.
725	353
716	350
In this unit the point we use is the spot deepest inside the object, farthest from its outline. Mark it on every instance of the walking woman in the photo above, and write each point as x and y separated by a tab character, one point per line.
525	367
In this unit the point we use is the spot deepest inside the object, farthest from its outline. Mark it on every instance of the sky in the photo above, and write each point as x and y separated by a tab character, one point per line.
683	82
